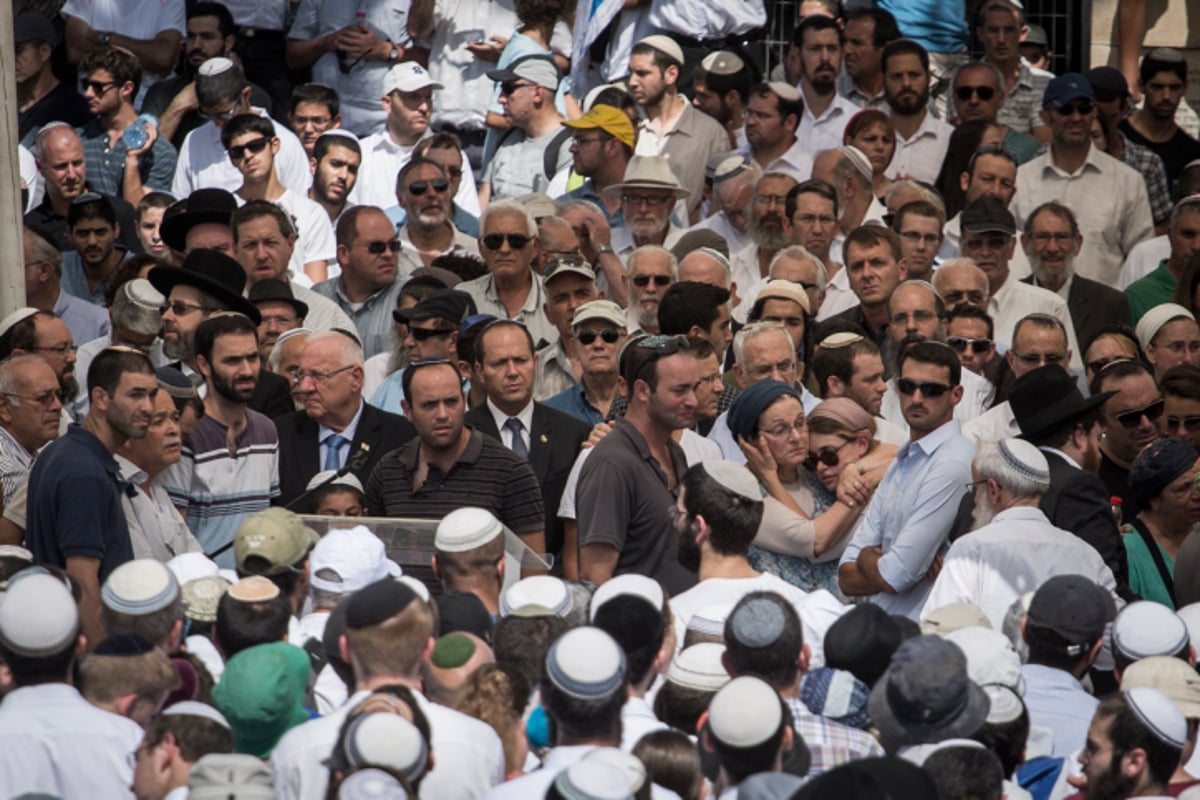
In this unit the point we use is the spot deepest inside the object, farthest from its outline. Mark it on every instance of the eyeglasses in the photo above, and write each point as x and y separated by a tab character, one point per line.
827	455
812	219
913	237
45	399
902	317
1083	109
964	93
1189	424
977	346
782	431
424	334
1132	418
580	141
517	241
1044	238
512	86
953	298
652	200
972	484
1039	359
608	336
58	350
180	308
98	87
377	248
642	281
224	116
418	188
990	242
254	146
320	377
909	387
770	199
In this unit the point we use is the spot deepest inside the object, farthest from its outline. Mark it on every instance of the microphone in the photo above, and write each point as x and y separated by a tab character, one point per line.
355	463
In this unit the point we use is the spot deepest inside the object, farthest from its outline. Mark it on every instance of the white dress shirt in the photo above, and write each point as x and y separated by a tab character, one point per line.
839	296
501	419
825	132
382	160
54	742
203	162
314	234
797	161
992	425
921	155
1109	199
1014	554
1015	300
637	719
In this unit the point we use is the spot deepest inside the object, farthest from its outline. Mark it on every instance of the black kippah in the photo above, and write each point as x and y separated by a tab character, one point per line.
123	644
383	599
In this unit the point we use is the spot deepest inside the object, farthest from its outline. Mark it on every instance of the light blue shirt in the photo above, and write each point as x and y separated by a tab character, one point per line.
86	321
939	25
348	433
391	392
911	514
1058	703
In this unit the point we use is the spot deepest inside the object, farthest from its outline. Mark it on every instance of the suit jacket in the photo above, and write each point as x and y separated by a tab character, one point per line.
555	439
1078	502
1093	306
300	452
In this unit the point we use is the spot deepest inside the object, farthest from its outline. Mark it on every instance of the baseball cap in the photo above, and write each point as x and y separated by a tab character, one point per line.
987	214
612	121
1068	613
33	27
537	69
408	76
345	561
1066	88
276	536
605	310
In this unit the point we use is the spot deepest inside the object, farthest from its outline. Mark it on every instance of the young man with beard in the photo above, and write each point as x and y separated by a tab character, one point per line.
336	157
93	228
772	118
1131	419
423	189
891	556
1013	546
921	138
825	111
1134	744
155	528
1051	239
1053	414
720	88
229	469
75	520
770	228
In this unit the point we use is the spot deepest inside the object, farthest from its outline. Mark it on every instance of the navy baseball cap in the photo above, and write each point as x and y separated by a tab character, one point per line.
1066	88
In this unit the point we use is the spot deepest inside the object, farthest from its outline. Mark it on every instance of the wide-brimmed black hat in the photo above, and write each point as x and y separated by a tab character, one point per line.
273	289
1046	398
201	206
213	273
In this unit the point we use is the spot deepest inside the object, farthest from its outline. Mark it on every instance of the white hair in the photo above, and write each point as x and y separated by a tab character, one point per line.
802	253
753	331
991	463
652	248
350	354
508	207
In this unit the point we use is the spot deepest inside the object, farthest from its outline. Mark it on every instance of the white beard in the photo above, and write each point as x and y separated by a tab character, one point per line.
983	513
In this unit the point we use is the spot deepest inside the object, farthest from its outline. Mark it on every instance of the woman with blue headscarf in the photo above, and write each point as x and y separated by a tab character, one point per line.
804	526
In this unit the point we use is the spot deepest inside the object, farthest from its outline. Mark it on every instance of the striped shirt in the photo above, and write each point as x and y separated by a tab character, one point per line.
15	462
218	489
487	475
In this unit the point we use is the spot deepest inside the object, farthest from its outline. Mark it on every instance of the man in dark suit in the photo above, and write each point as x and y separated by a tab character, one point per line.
1052	240
506	365
335	424
1053	414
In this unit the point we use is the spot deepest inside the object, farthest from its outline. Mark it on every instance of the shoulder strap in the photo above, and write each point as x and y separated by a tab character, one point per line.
550	155
1156	554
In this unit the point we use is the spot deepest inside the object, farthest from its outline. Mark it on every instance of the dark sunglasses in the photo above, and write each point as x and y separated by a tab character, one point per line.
586	338
977	346
985	93
422	334
255	146
98	87
418	188
494	241
909	387
1131	419
377	248
827	456
1084	108
644	280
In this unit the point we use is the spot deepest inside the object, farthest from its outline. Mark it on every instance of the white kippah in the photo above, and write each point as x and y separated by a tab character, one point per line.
592	779
629	764
784	90
193	709
710	620
12	319
1024	459
545	591
139	587
699	667
383	739
734	477
215	66
349	479
38	616
466	529
586	663
627	584
859	159
836	340
1005	704
1146	628
1159	714
745	712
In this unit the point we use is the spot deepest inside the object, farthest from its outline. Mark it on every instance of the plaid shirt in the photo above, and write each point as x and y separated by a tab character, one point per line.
106	165
1150	166
830	743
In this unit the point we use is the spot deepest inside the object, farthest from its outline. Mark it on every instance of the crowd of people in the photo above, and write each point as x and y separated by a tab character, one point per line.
825	432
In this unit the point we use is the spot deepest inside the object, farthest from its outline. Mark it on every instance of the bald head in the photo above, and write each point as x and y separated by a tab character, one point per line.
703	267
59	153
959	281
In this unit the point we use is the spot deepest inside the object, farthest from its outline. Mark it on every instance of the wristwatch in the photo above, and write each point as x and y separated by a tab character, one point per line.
103	39
393	54
601	249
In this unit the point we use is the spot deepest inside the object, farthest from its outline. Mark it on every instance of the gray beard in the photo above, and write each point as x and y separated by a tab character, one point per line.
179	350
1057	276
983	513
768	239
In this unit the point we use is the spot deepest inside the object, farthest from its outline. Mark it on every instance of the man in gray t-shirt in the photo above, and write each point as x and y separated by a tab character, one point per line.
522	164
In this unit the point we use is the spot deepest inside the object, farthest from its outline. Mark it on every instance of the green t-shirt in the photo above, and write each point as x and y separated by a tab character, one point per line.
1155	289
1144	579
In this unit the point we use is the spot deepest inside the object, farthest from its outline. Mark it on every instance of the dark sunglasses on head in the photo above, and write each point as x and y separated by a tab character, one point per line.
985	93
961	343
377	248
909	387
587	337
494	241
418	188
644	280
421	334
255	146
1132	418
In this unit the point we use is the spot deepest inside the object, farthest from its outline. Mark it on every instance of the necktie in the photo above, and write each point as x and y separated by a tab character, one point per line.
515	427
333	451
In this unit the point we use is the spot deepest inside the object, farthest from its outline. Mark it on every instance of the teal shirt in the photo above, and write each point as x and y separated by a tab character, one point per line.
1155	289
1144	579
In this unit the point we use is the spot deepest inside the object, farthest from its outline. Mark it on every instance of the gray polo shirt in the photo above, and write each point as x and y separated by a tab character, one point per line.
622	500
373	318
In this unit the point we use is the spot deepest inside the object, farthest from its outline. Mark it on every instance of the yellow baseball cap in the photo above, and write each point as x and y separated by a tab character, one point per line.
612	121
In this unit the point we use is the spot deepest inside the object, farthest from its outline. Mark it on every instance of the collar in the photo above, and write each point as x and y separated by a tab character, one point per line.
928	129
1093	162
349	431
1021	514
93	443
412	451
838	108
9	443
525	415
533	301
847	89
794	156
1061	455
684	124
129	471
930	442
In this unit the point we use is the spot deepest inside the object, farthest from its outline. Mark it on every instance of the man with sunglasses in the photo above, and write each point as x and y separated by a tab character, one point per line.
423	189
649	193
971	333
570	284
30	410
598	331
978	96
1132	419
650	270
1181	392
893	554
222	94
1109	197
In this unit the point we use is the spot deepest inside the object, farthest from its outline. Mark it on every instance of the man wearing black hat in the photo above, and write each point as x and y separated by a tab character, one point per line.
281	312
41	97
206	282
1053	414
